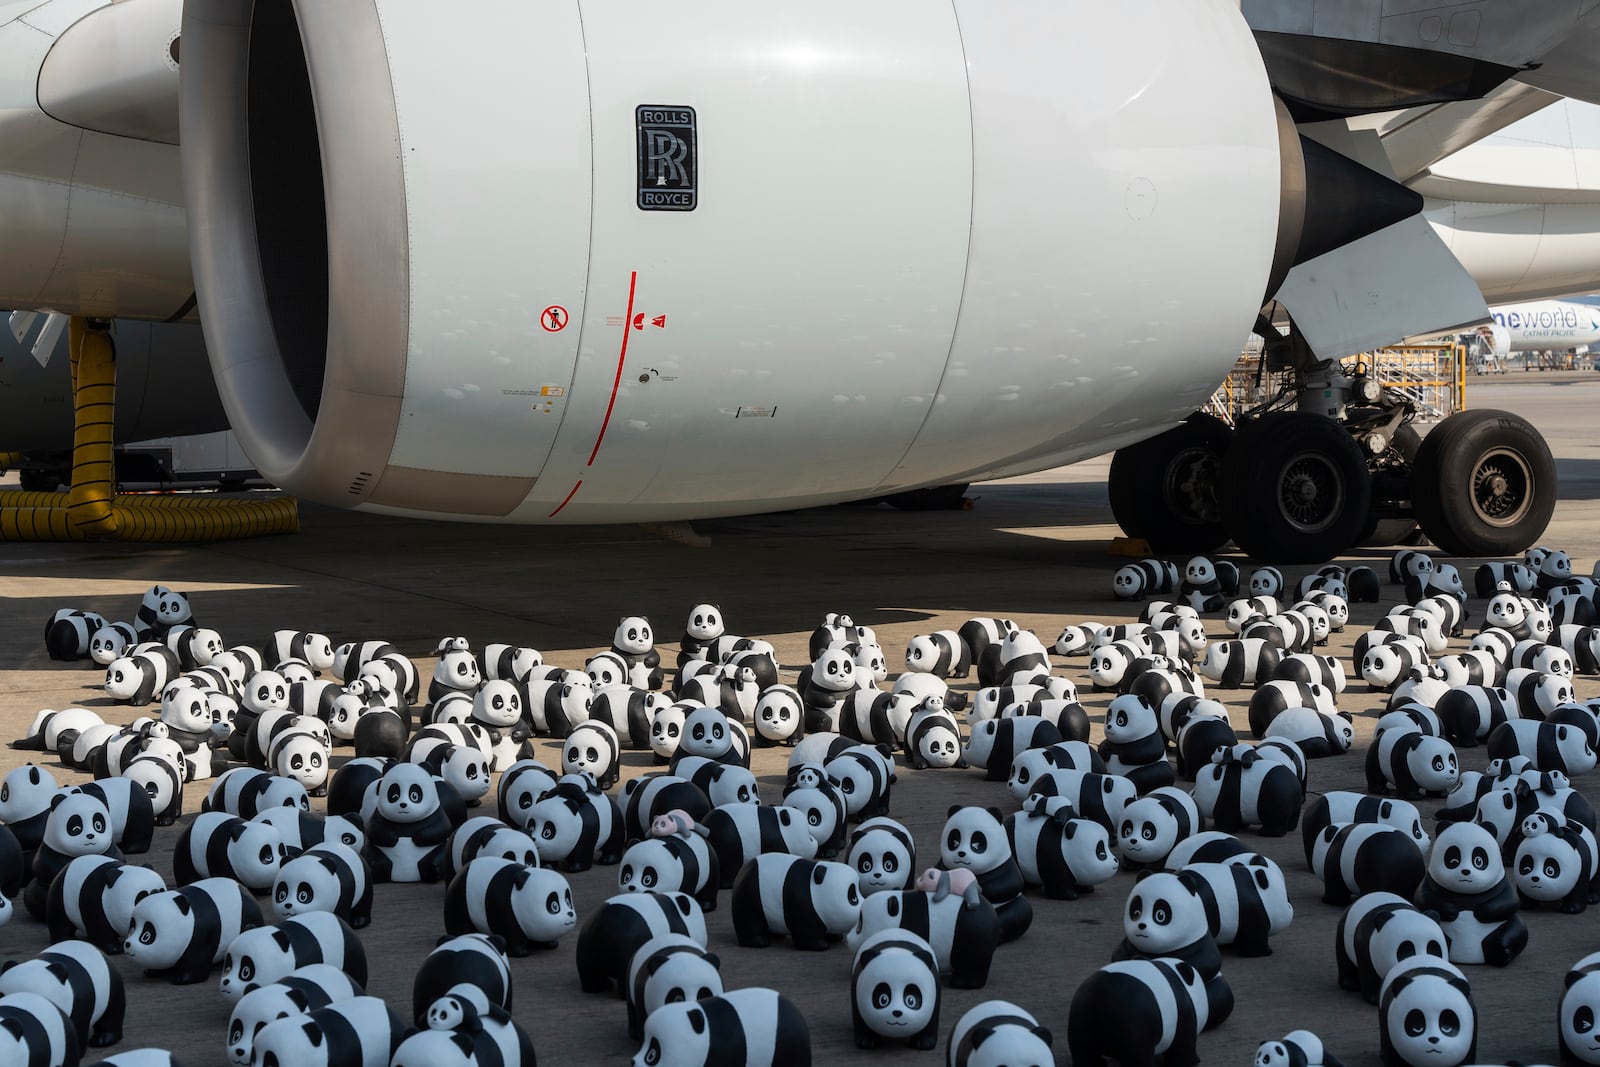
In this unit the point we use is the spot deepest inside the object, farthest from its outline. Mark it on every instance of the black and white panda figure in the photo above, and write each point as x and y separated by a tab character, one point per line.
1062	854
1468	888
1145	578
975	839
314	648
1152	826
34	1032
814	902
710	733
1273	698
1019	659
525	907
1314	732
1411	764
1353	859
1133	745
326	877
1206	584
948	911
78	825
933	737
738	833
882	852
133	818
350	657
409	832
110	641
49	727
1576	1035
456	670
614	931
1028	767
1240	788
1582	646
894	991
824	687
1310	668
646	798
1245	902
864	776
874	717
302	754
942	653
1426	1016
577	825
1165	918
300	831
1521	579
307	989
509	663
485	835
666	730
160	609
1240	663
627	711
1208	846
267	954
1342	806
669	969
69	631
553	706
779	716
217	845
139	677
521	786
705	624
1556	863
76	977
180	933
1136	1011
1563	742
754	1027
1538	694
722	783
359	1032
606	668
1535	655
93	898
998	1032
1198	739
592	748
462	1029
995	744
676	857
980	632
1298	1048
159	771
1077	640
1376	933
497	707
634	640
1468	713
1098	797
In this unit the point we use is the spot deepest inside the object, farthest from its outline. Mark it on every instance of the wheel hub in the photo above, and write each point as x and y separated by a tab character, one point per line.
1191	488
1310	492
1502	486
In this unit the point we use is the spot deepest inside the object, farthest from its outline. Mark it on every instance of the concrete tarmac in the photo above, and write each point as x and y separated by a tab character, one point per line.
1032	549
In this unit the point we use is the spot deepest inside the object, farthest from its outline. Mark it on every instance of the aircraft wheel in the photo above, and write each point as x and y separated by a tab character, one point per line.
1165	489
1484	484
933	498
1294	488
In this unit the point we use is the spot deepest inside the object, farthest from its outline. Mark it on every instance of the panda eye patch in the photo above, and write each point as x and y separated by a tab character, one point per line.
953	839
1552	869
1449	1023
1416	1023
416	794
1405	950
890	864
1480	858
1161	913
1583	1020
912	997
1526	866
978	842
552	904
1452	857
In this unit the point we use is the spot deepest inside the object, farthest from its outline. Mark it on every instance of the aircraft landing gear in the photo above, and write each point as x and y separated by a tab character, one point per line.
1484	484
1165	489
1294	488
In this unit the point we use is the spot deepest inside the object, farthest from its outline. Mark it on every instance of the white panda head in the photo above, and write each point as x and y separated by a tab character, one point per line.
1465	860
922	653
1107	665
834	670
1404	934
974	838
1382	666
634	636
1426	1014
1555	567
126	885
1163	914
705	623
1130	717
299	755
650	865
407	794
1266	581
1579	1011
295	671
1337	609
857	776
108	644
1200	571
806	776
466	769
938	742
1505	609
255	1010
673	969
871	667
1128	583
458	669
706	732
895	985
307	883
254	856
543	905
1321	622
778	713
835	895
159	929
591	747
266	691
25	792
165	607
880	853
676	1035
1088	850
556	824
606	668
521	786
1540	623
1147	831
822	809
1027	768
1434	765
1240	614
78	825
1546	867
497	704
666	730
123	678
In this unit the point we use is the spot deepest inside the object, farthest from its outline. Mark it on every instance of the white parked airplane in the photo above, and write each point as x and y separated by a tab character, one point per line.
1556	325
583	261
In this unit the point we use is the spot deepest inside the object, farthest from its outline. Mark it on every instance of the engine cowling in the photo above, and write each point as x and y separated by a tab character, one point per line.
585	261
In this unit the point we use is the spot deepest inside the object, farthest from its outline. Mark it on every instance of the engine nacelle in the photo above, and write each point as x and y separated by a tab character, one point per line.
588	261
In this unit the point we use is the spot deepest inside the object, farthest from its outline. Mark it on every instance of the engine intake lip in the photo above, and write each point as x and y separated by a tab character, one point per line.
292	297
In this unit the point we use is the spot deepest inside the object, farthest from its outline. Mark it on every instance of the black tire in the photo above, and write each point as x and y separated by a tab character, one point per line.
1294	488
1165	489
933	498
1484	484
1391	487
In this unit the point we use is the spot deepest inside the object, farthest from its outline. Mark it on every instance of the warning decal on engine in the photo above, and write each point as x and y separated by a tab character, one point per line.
667	158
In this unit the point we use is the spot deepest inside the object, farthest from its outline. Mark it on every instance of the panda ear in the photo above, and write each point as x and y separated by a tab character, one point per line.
996	813
11	1026
1043	1034
181	902
980	1034
953	809
281	939
697	1021
1069	829
313	1033
1142	875
298	998
7	965
819	874
56	799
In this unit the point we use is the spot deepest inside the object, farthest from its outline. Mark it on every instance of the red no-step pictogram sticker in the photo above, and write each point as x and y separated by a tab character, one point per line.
554	318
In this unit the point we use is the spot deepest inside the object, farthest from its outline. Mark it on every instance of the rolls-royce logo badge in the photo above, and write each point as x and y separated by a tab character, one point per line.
668	162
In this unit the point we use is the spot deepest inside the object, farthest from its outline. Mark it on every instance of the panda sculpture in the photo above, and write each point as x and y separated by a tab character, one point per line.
779	716
1341	806
328	877
1137	1010
269	953
78	825
823	806
738	833
311	987
894	991
1165	918
476	961
756	1027
975	838
93	897
825	686
1426	1017
676	857
998	1032
35	1033
1575	1014
1468	889
577	825
463	1030
358	1032
180	933
634	641
1133	745
1411	764
650	796
1556	863
705	624
614	931
814	902
525	907
1154	824
883	855
1240	788
1563	742
1245	901
76	977
942	653
484	835
1354	859
592	748
1375	934
217	844
665	970
996	743
933	737
1055	850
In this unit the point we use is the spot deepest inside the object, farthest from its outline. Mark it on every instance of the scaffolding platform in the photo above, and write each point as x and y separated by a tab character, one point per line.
1432	376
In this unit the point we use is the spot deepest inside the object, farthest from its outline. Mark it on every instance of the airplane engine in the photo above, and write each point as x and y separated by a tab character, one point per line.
592	261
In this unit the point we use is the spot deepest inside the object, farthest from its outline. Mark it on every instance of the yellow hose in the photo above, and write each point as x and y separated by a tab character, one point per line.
92	510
